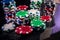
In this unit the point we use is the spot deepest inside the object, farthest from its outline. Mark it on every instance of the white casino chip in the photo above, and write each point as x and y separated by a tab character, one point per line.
6	9
7	27
34	12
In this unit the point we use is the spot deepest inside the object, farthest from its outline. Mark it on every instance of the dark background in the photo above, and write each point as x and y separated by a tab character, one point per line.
2	19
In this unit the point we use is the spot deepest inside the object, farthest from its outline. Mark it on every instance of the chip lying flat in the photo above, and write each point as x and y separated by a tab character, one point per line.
38	23
23	29
22	14
7	27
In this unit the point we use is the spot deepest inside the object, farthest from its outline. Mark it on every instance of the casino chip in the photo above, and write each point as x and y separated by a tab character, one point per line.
47	18
38	23
13	8
6	9
36	1
35	4
22	14
7	27
22	7
34	12
23	29
19	21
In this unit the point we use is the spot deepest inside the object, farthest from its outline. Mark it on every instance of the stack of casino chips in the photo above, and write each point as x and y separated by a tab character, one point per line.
22	19
30	18
48	14
26	19
21	14
50	7
34	15
9	7
46	18
35	6
9	10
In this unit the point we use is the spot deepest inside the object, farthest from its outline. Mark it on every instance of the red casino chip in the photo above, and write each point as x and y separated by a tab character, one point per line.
46	8
51	9
23	30
22	7
10	17
47	18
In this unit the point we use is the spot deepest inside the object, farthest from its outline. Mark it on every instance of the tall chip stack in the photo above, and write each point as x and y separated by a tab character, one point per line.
35	6
22	20
35	14
9	7
21	14
49	10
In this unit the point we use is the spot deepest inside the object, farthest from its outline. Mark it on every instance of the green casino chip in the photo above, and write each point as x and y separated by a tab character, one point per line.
38	23
22	14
